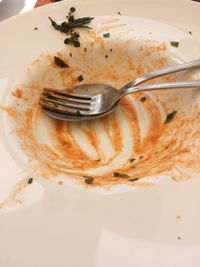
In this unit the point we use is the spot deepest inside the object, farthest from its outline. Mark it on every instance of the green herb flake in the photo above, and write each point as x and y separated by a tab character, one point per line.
174	43
80	78
88	179
73	39
170	116
106	35
59	62
30	180
120	175
133	179
76	44
143	99
70	25
72	9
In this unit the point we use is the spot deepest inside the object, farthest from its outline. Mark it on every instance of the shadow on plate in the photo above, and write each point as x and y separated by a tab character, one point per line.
9	8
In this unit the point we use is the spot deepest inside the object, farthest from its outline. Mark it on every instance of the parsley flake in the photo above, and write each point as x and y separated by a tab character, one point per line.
133	179
88	179
70	25
106	35
174	43
80	78
30	180
120	175
170	116
143	99
59	62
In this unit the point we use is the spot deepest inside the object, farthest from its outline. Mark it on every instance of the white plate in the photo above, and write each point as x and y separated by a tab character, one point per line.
71	226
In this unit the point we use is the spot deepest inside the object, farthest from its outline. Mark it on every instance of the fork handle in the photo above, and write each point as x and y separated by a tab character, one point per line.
164	71
159	86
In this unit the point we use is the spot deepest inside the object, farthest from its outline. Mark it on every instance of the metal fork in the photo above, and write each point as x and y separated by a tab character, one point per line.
89	101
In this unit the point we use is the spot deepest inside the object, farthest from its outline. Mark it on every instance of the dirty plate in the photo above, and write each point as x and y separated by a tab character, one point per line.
109	192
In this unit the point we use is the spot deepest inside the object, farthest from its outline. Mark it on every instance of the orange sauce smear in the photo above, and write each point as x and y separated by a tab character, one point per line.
156	154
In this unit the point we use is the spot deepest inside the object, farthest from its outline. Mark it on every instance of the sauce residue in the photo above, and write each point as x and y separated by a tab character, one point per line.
133	141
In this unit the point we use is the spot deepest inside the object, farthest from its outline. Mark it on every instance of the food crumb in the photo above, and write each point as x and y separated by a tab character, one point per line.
178	237
70	54
178	217
36	28
143	99
88	179
120	175
106	35
17	93
59	62
60	182
119	13
133	179
30	180
85	49
190	32
80	78
174	43
170	116
106	56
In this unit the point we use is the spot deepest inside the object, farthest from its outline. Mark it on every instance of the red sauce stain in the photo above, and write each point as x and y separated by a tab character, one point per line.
17	93
157	153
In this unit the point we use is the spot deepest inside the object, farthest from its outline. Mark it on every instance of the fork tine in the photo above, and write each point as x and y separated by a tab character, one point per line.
57	108
65	103
69	94
56	96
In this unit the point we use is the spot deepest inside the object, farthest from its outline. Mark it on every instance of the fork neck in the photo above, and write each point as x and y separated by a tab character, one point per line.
157	73
127	90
